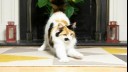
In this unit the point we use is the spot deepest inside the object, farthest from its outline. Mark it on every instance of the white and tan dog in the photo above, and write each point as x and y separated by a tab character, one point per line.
60	38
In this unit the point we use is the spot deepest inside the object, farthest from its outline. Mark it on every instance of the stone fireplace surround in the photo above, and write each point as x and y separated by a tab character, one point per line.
100	21
102	18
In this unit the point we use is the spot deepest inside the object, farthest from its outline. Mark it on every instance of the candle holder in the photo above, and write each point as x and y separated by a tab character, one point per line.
113	32
10	32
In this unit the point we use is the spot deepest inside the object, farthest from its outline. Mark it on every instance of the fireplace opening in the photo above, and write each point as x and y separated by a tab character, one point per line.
86	21
92	20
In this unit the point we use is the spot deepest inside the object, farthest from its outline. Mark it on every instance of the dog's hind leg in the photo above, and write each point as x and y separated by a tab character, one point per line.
42	47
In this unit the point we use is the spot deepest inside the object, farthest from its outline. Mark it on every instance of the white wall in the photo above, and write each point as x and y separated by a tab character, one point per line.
8	12
118	12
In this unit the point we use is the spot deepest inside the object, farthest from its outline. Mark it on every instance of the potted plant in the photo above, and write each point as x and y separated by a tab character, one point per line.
70	6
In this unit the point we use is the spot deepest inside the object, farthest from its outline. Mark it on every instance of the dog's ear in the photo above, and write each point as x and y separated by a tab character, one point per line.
60	27
72	26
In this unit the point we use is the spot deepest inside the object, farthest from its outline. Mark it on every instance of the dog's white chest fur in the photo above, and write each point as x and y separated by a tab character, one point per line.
60	38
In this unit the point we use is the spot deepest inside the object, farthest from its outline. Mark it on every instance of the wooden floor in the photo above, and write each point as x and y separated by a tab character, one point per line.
63	69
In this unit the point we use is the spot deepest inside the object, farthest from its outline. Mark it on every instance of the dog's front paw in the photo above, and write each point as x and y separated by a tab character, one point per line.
64	60
79	56
40	49
76	55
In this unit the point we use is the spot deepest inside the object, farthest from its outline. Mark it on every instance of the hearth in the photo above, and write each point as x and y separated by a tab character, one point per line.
92	20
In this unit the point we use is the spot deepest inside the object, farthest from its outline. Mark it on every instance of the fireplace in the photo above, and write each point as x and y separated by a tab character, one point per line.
92	20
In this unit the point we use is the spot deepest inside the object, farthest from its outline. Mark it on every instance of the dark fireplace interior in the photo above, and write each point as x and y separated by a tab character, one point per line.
92	20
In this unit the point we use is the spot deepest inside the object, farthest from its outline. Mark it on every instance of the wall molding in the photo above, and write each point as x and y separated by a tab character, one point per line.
0	12
118	12
9	11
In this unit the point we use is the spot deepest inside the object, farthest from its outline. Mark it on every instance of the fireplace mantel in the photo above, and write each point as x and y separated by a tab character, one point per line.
98	11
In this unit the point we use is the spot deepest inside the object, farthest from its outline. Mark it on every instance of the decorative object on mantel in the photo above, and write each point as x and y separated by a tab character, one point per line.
113	32
10	32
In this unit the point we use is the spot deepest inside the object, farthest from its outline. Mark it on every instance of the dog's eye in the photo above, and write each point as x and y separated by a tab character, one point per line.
71	34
